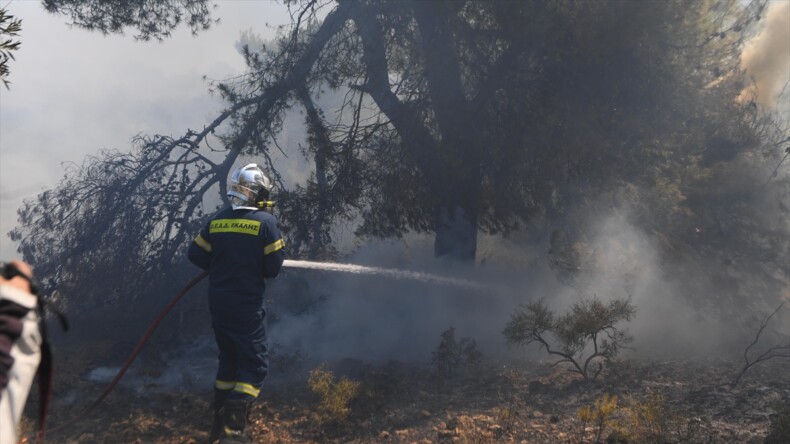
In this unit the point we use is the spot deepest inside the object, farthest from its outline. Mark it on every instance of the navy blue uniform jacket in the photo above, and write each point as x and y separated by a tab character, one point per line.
239	248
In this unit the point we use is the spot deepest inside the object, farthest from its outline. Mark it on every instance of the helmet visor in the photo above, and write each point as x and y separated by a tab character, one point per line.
241	192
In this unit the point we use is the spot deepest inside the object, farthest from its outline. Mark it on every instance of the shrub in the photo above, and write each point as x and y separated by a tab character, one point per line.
598	414
334	396
453	355
589	323
648	421
514	404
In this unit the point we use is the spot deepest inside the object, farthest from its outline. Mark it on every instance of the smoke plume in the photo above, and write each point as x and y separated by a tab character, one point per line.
766	58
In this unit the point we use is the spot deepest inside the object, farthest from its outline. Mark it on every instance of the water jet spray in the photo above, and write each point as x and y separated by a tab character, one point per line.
378	271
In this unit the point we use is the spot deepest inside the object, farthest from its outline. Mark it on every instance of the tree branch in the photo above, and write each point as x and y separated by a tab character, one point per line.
296	75
416	137
777	351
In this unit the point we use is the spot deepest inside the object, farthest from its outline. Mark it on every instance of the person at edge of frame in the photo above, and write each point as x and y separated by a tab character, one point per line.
20	346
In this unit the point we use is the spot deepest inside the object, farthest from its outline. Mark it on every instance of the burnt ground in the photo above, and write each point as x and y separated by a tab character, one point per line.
527	402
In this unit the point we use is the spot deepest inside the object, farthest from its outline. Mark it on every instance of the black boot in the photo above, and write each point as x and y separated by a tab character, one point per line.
220	397
235	422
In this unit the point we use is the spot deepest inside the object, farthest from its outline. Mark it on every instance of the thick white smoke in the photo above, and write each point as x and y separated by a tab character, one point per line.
624	261
766	57
376	318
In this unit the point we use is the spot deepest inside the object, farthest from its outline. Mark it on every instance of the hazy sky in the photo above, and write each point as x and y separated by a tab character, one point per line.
75	92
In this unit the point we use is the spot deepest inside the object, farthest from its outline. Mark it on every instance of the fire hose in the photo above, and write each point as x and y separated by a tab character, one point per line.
130	359
326	266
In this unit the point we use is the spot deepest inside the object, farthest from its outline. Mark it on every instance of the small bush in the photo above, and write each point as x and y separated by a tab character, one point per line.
507	415
452	356
469	430
634	421
588	324
334	396
599	414
648	421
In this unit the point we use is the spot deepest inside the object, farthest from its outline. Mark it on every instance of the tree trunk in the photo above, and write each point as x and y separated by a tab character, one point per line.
456	234
456	228
321	144
456	222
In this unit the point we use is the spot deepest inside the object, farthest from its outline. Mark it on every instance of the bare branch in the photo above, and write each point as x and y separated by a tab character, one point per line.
777	351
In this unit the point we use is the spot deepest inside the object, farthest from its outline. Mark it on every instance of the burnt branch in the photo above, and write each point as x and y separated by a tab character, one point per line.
776	351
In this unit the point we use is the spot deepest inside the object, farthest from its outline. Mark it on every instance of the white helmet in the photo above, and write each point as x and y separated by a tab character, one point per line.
248	186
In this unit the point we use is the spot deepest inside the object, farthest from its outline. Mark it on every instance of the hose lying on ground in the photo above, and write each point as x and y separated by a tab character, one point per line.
131	357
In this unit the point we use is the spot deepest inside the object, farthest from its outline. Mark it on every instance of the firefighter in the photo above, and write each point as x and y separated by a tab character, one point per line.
240	247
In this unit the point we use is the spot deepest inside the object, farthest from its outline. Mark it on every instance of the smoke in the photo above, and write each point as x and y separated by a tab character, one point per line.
375	318
251	40
624	261
766	57
378	318
191	367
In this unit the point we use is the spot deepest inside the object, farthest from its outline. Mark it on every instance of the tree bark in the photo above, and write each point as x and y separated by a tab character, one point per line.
456	222
456	217
321	150
456	234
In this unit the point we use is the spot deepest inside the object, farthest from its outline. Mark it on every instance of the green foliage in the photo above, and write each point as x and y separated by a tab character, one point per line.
9	28
455	356
470	116
150	19
588	324
334	396
593	321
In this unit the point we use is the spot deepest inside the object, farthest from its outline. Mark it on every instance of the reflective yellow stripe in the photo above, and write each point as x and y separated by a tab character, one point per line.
224	385
271	248
202	243
249	389
244	226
